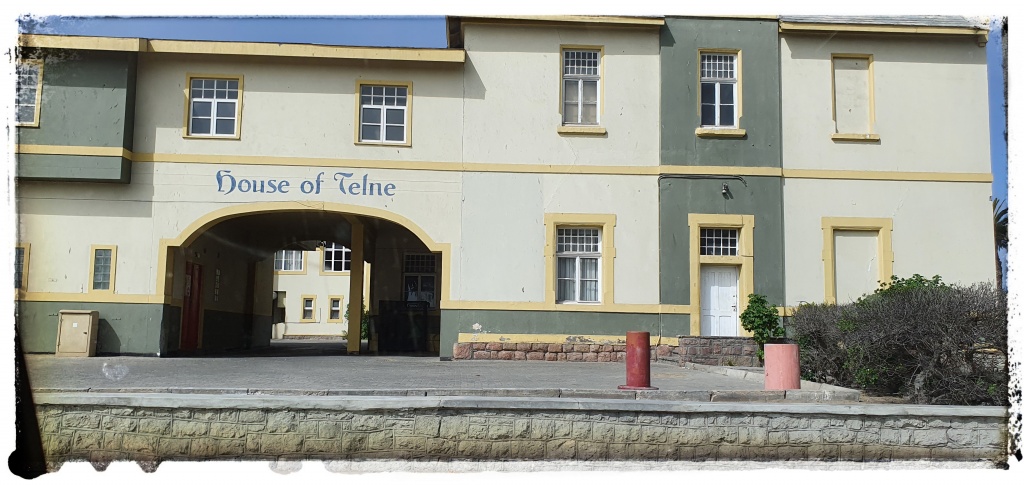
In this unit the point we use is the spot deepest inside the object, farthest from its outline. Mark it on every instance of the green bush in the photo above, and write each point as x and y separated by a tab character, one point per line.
761	319
364	324
931	342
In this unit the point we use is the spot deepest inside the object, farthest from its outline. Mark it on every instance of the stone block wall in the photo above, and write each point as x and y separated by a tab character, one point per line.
721	351
482	429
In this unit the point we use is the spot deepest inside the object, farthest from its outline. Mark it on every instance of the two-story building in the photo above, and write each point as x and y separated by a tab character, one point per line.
538	181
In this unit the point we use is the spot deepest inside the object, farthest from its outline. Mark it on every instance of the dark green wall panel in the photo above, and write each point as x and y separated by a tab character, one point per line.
761	197
74	168
757	41
124	328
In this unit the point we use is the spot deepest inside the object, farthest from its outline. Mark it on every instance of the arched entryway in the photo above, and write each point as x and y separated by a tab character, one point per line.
220	274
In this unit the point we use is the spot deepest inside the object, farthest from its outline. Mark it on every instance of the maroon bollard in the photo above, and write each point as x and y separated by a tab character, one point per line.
638	361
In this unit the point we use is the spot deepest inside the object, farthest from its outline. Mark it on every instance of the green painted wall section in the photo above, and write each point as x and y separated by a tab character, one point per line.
762	198
124	328
88	99
454	322
74	168
231	331
758	43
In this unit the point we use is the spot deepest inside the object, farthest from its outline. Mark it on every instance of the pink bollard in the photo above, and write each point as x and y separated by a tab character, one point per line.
781	367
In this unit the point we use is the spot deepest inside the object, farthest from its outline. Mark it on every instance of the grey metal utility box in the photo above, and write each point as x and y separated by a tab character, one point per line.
76	333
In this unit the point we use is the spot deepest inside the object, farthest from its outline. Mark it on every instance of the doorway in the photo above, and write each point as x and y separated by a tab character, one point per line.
719	302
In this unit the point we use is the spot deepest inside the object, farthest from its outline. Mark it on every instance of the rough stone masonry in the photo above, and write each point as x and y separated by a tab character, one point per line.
108	427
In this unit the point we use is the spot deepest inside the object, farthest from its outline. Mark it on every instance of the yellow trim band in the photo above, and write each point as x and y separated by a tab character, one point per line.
589	19
869	137
74	150
653	308
582	130
96	297
720	132
544	338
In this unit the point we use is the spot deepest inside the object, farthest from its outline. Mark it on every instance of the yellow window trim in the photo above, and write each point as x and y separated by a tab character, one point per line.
408	112
871	95
744	260
27	248
300	272
39	93
320	257
189	76
92	267
606	222
739	92
866	137
600	84
341	308
882	226
708	132
302	308
580	130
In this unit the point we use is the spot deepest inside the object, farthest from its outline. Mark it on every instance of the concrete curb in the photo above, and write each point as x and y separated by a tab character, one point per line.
373	403
759	377
806	396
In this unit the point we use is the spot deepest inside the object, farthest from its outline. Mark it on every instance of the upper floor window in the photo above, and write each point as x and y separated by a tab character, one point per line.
718	90
852	97
214	107
337	258
384	114
288	260
20	267
29	90
578	254
581	79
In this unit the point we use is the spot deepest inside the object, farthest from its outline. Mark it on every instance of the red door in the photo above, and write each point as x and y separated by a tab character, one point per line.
191	306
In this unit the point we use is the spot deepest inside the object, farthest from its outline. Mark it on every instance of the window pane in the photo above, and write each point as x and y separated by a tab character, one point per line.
588	290
201	108
395	133
26	114
335	314
566	267
589	114
707	115
370	133
371	115
726	92
727	118
707	92
570	113
365	91
412	288
197	84
395	116
589	91
200	126
400	101
221	94
571	90
226	110
232	94
26	95
403	92
588	268
207	83
427	283
566	290
226	127
233	85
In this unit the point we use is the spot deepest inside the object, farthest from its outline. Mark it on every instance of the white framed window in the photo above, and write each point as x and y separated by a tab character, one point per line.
719	242
420	278
29	90
383	114
581	84
337	258
214	107
718	90
578	256
102	271
288	260
335	309
308	308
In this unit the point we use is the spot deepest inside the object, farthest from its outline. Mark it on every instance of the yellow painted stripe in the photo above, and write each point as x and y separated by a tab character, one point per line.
595	19
74	150
552	307
535	338
81	42
881	175
785	311
96	298
785	27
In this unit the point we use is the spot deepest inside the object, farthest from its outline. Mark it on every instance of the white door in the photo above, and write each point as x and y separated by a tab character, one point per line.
718	300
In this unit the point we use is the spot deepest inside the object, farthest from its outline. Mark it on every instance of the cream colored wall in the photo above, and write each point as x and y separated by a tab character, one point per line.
503	254
298	108
856	264
512	79
312	283
941	228
931	104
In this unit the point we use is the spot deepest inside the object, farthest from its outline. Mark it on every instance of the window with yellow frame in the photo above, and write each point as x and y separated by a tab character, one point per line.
29	91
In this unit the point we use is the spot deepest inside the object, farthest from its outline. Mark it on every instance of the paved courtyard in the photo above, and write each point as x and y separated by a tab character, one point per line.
322	365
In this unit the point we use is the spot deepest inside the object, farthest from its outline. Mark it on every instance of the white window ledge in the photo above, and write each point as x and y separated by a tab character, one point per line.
711	132
868	137
582	130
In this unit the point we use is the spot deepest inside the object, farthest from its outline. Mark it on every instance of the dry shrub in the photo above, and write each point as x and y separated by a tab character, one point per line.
923	339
